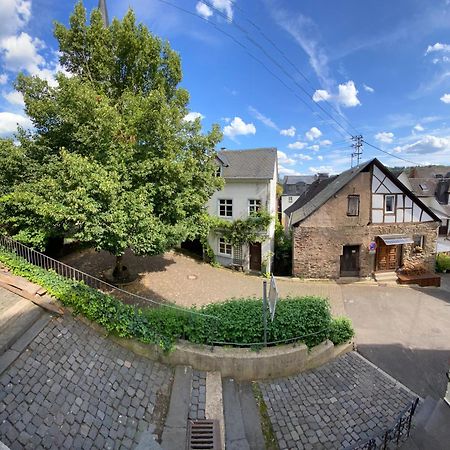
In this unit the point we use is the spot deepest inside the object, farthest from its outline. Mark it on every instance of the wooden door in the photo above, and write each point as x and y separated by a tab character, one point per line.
387	256
350	261
255	256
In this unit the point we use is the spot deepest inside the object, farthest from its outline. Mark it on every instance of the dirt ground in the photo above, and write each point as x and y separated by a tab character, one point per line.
176	277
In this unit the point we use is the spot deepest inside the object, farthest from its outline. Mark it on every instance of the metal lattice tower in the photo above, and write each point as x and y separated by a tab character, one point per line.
358	145
104	11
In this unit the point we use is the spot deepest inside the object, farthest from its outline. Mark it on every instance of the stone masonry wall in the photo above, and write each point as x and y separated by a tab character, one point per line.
317	250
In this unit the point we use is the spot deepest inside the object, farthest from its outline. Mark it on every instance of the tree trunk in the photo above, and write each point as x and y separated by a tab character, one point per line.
120	271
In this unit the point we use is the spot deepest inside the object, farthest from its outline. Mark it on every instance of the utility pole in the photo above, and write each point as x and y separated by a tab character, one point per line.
104	11
358	145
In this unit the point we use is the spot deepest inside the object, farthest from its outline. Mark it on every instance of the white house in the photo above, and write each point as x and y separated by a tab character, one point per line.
250	183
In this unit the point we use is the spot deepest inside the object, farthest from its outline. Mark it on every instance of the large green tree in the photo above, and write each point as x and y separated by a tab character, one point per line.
111	160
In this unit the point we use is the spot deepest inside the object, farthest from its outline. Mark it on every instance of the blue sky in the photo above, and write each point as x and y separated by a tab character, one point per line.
383	68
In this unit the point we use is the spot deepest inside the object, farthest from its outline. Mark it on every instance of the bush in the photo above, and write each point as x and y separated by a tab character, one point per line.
341	330
233	322
442	262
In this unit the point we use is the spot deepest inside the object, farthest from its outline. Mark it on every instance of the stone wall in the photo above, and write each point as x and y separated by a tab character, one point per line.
317	250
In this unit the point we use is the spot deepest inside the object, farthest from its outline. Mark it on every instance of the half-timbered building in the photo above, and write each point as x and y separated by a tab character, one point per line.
360	222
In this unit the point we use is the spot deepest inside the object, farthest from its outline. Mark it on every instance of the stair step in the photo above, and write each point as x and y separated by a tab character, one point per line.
235	437
16	321
175	428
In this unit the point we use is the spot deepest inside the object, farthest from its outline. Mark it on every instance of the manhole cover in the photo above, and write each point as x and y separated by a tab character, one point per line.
192	277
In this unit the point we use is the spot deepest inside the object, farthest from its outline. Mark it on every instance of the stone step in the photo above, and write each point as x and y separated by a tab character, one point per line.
175	429
16	320
385	277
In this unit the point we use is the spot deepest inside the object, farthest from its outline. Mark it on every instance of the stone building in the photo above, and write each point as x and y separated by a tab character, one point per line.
360	222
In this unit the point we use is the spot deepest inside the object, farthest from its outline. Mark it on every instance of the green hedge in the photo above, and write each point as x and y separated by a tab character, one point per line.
234	322
442	262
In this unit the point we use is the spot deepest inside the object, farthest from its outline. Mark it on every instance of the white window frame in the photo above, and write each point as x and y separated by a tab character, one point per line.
252	204
218	171
226	216
222	241
393	205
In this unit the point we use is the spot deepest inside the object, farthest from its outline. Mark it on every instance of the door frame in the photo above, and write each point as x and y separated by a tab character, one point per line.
398	255
357	271
251	248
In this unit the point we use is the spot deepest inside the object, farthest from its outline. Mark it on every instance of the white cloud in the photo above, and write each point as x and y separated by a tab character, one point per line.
284	159
303	157
3	78
438	47
203	9
418	127
190	117
14	97
385	137
321	169
321	95
347	95
285	171
325	143
262	118
288	132
297	145
21	53
238	127
445	98
9	122
320	157
314	148
427	145
313	133
368	88
14	14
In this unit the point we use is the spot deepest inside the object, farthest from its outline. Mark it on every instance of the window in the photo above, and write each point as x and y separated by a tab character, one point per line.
353	205
419	240
226	208
290	199
254	206
389	204
225	248
218	171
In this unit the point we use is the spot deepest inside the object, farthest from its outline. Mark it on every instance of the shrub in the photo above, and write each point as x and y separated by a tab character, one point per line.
341	330
233	322
442	262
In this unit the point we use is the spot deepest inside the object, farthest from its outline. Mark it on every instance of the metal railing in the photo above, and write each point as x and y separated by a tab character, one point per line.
392	437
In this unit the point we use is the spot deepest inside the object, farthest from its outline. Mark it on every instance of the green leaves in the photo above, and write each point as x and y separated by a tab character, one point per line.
111	161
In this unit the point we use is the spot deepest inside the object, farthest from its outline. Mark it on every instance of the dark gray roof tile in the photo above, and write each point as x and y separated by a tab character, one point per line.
257	163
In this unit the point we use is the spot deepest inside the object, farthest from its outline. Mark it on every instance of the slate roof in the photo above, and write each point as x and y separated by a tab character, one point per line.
294	179
429	172
256	163
423	187
313	200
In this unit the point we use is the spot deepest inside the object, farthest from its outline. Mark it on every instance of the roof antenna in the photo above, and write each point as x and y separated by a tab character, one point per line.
358	145
104	12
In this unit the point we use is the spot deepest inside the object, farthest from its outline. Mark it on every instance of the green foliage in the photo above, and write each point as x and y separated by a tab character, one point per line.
283	251
341	330
234	322
111	161
243	231
442	262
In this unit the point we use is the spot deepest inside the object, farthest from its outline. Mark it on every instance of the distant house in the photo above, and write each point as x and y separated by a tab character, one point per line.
360	222
250	184
293	187
432	185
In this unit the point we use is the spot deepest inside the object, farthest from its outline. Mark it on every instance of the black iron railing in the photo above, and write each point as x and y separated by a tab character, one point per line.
392	437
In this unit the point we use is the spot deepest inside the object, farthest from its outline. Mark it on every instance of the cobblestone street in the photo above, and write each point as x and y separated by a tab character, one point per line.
334	406
74	389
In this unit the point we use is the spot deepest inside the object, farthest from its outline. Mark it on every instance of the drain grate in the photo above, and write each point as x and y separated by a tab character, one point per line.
203	435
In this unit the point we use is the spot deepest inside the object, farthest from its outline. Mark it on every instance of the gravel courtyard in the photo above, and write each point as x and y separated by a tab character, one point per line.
175	277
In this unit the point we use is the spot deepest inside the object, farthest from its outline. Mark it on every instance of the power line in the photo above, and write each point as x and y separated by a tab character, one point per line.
247	50
358	145
274	61
390	154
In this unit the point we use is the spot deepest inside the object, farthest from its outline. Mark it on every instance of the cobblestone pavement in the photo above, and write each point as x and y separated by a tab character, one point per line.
74	389
198	396
337	405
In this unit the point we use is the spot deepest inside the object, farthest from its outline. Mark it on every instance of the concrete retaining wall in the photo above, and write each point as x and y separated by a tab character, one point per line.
242	364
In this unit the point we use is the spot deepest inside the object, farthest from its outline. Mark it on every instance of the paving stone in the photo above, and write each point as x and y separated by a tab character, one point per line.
58	394
332	403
